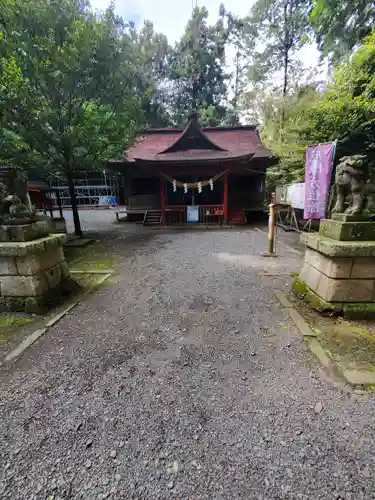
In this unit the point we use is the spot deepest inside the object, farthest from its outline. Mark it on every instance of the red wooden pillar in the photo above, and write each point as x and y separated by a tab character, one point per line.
225	200
162	198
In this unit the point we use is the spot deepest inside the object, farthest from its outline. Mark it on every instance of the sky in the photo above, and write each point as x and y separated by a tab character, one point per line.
170	16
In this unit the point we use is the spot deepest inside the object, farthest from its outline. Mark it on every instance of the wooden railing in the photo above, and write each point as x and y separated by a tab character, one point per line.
208	214
211	214
175	215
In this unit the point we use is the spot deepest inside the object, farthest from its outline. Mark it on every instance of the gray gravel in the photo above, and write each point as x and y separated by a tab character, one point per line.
183	379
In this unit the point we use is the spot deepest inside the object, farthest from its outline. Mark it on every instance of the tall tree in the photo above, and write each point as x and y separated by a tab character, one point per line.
346	110
149	55
341	24
280	28
197	70
239	45
67	97
266	106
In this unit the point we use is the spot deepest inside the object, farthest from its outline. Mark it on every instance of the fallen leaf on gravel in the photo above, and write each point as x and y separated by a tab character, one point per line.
318	407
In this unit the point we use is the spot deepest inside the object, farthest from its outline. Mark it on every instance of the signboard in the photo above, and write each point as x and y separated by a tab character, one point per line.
291	194
296	195
192	213
319	163
282	194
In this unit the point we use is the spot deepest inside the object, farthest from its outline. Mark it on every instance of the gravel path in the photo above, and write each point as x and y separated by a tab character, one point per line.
182	380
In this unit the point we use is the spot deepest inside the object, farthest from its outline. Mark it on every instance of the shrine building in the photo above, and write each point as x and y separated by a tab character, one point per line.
213	175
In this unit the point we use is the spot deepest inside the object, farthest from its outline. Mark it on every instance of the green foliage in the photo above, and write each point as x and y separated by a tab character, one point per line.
341	24
149	52
346	110
197	70
63	67
267	106
279	29
67	90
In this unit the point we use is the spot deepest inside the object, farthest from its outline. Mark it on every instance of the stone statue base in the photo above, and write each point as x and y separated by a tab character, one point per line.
338	273
33	274
26	232
347	231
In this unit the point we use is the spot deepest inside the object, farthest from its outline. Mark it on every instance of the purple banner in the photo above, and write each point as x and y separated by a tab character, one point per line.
319	163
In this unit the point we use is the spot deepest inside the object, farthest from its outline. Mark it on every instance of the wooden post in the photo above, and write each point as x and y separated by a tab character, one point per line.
272	229
225	201
162	198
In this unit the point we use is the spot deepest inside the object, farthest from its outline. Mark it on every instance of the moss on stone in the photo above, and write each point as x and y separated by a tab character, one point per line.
299	288
359	310
14	304
312	300
315	302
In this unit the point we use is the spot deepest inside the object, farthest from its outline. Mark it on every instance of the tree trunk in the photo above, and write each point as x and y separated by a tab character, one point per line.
237	83
73	200
286	65
285	87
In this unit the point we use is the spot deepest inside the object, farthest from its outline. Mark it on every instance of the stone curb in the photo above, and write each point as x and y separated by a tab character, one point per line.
352	377
33	337
283	299
25	344
309	335
297	318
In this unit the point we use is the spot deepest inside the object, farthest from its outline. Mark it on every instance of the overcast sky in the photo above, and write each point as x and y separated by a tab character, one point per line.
170	16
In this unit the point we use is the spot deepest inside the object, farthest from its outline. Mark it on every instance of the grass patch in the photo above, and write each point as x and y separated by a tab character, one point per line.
350	345
12	320
90	257
9	322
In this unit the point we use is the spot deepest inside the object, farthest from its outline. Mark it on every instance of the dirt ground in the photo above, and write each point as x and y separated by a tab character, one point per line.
182	379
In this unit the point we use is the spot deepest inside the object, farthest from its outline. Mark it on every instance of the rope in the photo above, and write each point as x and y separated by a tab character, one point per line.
193	185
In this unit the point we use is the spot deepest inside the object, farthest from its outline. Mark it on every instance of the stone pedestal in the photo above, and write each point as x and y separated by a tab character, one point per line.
60	225
33	271
338	273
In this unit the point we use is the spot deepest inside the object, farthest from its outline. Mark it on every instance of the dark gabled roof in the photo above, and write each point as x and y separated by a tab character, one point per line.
196	155
194	143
